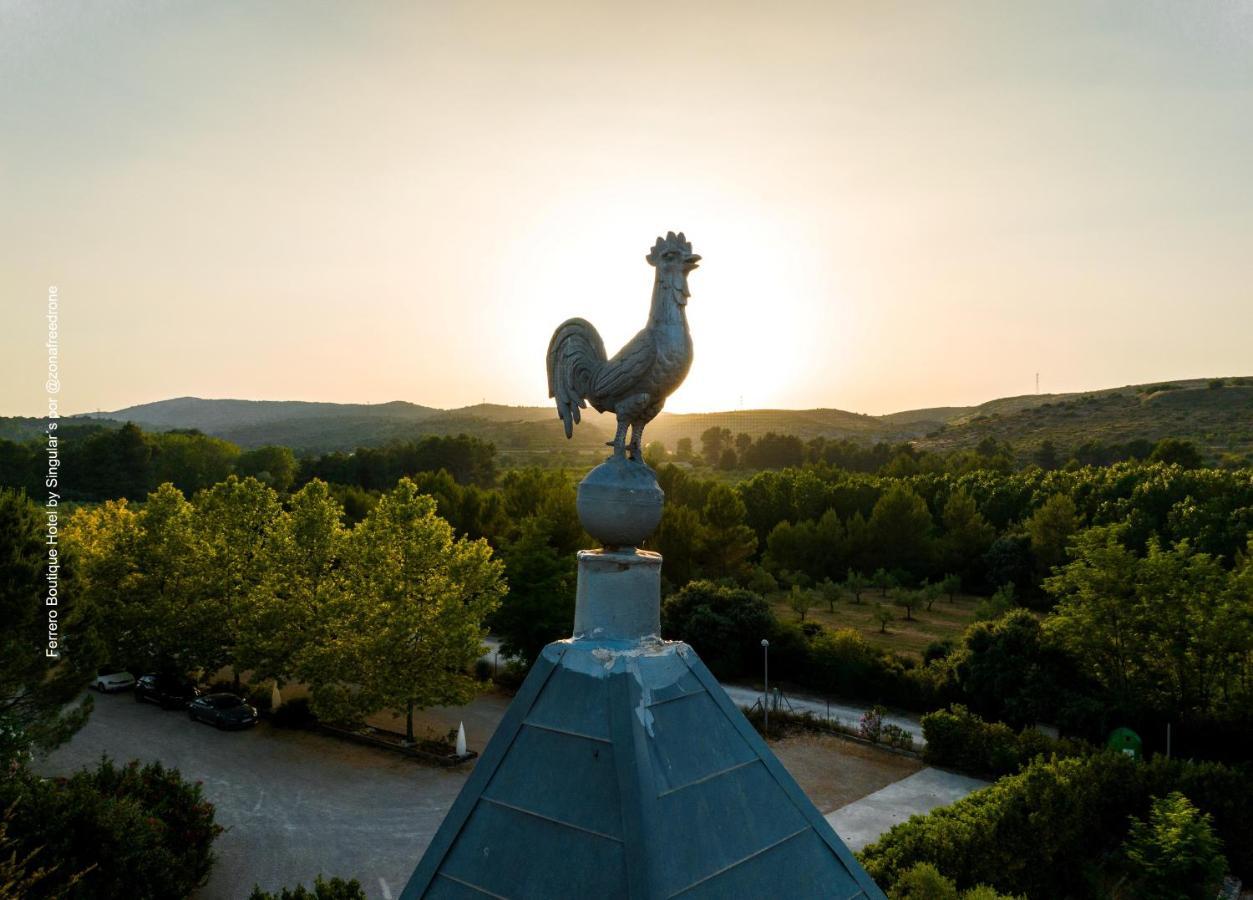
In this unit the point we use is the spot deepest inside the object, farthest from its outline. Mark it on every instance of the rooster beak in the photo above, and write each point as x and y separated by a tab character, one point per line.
691	262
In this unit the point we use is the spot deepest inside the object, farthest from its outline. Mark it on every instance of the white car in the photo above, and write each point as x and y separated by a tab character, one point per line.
108	682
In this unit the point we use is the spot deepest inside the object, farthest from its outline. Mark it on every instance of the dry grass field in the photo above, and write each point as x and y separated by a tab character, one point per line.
944	620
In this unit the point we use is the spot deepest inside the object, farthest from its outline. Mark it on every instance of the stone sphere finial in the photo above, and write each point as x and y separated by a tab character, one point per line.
620	502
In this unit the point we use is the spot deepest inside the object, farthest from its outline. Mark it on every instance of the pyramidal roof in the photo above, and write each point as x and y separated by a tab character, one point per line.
622	769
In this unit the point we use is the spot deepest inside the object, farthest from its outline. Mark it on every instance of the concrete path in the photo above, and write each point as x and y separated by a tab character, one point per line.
846	713
861	822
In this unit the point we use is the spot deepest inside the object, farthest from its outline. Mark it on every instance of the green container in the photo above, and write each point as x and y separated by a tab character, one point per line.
1124	740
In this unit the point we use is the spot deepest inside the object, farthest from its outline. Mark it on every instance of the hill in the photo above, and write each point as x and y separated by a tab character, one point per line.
1218	419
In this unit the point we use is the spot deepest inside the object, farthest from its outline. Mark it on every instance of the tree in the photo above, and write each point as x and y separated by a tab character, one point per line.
900	530
1009	671
406	623
775	451
883	580
539	607
967	535
1174	451
275	466
655	454
237	522
712	442
1175	853
117	463
190	460
1045	455
727	541
883	615
282	613
930	593
39	693
1001	602
1169	632
856	583
830	592
679	538
728	460
951	584
724	625
907	599
801	601
1050	528
683	450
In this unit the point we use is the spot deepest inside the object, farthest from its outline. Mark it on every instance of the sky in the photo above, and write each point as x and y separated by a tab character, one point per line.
899	205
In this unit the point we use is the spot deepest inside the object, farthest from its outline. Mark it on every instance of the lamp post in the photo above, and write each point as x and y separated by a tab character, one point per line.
765	671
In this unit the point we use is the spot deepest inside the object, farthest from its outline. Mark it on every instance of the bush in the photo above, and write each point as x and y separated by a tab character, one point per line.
924	882
1175	854
482	670
261	696
871	725
335	889
127	832
295	714
1012	834
958	739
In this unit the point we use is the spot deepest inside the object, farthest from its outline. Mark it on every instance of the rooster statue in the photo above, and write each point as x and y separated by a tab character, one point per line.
635	383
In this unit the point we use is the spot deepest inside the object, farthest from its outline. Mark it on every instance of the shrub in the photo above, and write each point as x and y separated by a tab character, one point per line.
295	714
116	832
1175	854
262	696
896	736
958	739
871	725
482	670
335	889
924	882
1012	834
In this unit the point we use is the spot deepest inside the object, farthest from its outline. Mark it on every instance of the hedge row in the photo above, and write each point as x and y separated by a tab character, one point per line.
958	739
1049	830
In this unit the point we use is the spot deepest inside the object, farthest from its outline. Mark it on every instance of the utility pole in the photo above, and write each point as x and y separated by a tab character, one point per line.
1037	382
765	657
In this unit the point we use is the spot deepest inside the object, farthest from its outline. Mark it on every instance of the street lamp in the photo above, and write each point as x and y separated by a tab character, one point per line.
765	661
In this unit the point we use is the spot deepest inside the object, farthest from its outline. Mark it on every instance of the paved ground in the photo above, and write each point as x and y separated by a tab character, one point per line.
860	822
295	804
834	772
847	713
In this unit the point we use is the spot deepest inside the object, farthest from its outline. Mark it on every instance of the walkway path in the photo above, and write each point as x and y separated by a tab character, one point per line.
862	821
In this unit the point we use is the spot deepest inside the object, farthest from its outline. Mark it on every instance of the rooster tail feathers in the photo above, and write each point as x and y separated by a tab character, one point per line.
575	355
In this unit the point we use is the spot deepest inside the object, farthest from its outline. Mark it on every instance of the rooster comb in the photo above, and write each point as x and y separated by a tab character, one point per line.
671	241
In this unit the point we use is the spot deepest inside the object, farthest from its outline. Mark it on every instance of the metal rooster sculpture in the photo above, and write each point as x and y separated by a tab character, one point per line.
633	384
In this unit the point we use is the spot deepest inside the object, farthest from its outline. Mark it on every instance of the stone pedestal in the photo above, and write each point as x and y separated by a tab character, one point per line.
618	597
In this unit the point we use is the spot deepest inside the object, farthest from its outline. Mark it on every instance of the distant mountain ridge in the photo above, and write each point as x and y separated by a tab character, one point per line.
1220	420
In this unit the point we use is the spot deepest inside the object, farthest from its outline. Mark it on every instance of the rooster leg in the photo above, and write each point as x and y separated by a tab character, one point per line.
619	440
637	436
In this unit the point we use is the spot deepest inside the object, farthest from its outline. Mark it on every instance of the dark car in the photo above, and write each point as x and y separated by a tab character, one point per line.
170	691
222	710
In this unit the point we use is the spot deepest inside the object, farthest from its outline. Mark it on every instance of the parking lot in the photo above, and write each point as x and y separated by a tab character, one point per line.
294	803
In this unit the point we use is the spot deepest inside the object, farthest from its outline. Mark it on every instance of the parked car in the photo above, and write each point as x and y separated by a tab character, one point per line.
170	691
222	710
109	680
